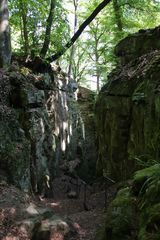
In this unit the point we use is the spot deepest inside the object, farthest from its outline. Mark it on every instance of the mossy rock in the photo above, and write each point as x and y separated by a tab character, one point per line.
150	223
15	153
120	222
127	220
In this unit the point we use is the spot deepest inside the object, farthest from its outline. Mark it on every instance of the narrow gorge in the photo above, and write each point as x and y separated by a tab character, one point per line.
74	165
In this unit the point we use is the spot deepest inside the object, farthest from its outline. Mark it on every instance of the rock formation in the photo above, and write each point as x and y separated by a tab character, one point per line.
128	108
41	127
128	123
86	100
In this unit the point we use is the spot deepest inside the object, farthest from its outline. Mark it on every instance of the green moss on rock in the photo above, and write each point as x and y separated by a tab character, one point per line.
134	214
15	152
120	220
150	223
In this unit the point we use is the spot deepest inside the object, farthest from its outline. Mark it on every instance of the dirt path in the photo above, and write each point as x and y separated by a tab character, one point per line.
86	221
89	221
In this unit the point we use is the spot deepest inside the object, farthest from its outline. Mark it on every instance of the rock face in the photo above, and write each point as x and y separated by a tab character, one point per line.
128	108
34	135
137	44
40	127
86	101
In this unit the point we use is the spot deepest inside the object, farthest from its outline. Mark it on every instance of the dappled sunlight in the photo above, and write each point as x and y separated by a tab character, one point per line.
70	130
42	125
57	236
7	217
9	238
32	209
68	139
63	145
4	213
54	205
81	231
57	130
65	125
12	210
83	127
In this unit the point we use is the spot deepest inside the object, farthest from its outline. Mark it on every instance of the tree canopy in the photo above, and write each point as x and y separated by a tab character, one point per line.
46	29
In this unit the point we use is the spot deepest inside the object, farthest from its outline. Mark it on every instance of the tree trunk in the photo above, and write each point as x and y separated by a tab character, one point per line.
97	74
48	30
97	64
73	47
118	20
96	37
23	10
5	44
79	31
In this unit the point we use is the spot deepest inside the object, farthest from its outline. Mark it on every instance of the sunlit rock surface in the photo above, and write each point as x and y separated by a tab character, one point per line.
42	128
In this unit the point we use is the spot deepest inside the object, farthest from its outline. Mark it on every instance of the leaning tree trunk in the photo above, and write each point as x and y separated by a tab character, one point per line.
5	44
77	34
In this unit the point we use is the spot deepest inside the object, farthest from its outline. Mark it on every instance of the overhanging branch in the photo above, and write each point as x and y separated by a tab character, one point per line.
79	31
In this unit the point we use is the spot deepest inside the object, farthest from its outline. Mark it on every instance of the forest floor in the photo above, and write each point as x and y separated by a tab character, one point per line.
87	212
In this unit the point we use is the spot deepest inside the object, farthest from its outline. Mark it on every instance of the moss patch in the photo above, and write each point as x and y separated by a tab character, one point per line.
120	221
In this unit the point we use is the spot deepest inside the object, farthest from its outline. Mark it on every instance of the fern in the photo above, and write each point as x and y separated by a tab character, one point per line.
150	190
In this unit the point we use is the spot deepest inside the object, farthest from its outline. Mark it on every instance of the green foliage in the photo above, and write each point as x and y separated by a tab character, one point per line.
150	189
94	53
98	41
148	182
145	161
136	216
36	13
